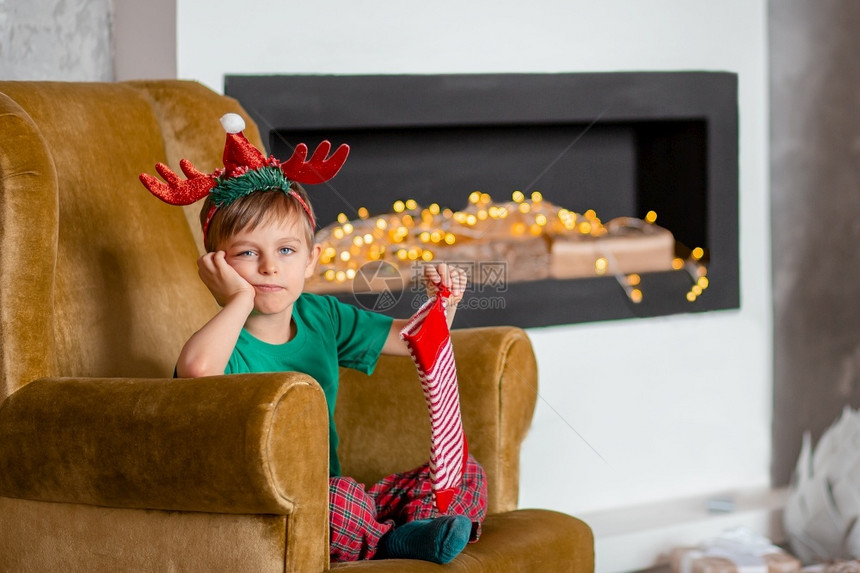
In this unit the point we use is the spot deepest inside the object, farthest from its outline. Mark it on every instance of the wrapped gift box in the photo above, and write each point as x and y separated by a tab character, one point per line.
694	560
734	551
523	258
627	249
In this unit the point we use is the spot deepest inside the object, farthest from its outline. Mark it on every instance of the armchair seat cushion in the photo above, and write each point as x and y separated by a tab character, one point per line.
549	541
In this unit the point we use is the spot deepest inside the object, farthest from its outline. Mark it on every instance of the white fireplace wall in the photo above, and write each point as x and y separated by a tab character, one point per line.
629	411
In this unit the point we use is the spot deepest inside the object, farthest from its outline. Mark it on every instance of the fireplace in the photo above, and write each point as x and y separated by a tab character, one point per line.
627	144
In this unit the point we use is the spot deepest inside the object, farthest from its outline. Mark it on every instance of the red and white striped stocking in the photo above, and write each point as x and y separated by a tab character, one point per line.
429	341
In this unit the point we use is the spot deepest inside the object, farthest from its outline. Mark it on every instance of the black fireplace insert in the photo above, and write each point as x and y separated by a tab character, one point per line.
620	143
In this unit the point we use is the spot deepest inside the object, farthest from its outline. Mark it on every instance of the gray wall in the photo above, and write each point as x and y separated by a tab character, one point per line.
87	40
815	197
56	40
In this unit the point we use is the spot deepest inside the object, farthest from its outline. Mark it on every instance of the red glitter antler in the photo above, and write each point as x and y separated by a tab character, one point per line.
319	169
176	191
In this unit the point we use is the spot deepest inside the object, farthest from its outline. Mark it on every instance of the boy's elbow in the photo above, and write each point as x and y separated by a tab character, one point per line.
196	370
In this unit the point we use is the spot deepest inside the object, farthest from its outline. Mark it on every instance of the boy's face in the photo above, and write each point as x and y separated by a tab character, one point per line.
275	259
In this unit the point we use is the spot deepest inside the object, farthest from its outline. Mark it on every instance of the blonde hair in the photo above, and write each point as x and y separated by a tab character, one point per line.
251	211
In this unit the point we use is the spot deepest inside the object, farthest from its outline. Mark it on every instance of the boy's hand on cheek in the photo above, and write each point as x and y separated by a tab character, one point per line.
221	279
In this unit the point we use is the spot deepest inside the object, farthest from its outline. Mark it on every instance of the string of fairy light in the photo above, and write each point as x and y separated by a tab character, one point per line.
413	233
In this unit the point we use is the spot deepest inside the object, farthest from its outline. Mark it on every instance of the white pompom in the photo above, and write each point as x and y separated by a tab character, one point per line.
233	123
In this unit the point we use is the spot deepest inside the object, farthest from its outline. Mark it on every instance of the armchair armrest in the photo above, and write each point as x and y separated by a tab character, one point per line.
226	444
383	424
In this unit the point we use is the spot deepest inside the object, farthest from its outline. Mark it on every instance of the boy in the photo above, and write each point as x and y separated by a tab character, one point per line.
258	230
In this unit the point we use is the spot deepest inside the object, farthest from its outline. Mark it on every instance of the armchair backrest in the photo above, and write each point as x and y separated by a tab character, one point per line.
97	277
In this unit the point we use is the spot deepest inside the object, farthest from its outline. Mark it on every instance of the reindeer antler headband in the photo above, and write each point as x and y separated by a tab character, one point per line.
245	170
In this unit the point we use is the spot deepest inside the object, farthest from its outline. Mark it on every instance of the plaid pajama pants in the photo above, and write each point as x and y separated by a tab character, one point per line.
358	518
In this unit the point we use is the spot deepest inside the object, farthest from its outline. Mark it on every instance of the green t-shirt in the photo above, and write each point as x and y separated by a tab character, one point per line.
329	334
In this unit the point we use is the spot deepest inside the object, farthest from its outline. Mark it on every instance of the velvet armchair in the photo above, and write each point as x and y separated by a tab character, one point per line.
109	464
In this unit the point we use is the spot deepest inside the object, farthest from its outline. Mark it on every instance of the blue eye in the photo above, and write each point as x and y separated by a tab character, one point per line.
287	250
